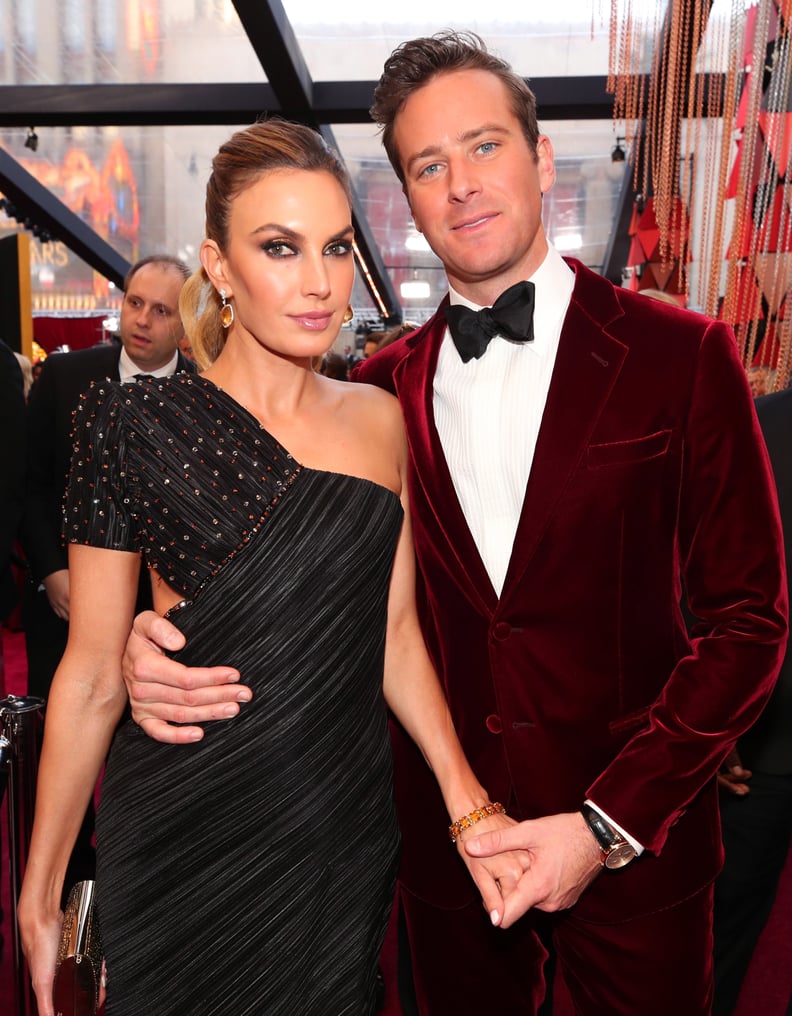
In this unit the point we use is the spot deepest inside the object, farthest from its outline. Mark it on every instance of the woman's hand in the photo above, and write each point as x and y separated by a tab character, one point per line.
40	934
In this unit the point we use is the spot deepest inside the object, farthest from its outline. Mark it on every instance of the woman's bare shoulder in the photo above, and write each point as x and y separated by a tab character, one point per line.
371	400
373	424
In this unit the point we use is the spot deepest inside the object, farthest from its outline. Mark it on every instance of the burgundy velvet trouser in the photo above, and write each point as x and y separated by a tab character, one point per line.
656	965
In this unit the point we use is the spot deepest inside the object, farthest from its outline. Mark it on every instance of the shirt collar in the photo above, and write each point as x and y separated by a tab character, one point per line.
128	370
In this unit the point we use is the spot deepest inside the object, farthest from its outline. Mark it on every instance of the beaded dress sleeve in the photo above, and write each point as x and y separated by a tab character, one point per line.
99	502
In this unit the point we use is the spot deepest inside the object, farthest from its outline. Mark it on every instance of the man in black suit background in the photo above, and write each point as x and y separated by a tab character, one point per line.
756	782
151	329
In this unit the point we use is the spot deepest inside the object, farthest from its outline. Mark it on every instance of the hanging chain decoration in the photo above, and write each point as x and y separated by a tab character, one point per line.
706	107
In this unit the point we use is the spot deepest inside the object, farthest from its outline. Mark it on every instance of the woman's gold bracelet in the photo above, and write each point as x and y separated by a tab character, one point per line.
476	815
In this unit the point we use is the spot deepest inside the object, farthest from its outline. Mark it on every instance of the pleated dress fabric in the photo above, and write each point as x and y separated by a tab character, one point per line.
251	873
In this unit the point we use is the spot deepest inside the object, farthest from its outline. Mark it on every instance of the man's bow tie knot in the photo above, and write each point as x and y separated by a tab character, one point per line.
511	316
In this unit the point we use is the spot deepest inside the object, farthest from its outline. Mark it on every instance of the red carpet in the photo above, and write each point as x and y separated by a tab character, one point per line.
766	992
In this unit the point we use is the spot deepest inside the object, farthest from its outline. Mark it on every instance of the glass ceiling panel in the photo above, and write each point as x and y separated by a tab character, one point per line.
181	41
350	39
80	42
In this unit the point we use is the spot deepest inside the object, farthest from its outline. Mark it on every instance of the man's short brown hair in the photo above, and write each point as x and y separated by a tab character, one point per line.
414	63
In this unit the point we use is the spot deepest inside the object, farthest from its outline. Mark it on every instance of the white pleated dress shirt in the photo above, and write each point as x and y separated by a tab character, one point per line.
488	413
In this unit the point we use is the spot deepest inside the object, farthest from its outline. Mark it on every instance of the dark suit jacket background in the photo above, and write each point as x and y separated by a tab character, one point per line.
580	679
767	747
12	469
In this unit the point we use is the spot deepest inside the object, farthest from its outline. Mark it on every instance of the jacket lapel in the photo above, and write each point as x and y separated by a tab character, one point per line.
587	365
413	378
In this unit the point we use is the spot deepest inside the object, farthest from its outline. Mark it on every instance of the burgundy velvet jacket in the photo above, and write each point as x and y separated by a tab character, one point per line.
581	680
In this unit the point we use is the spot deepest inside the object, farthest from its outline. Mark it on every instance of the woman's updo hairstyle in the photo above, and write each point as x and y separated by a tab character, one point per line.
248	154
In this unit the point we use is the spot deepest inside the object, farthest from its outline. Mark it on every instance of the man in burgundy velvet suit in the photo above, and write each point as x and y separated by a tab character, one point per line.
562	489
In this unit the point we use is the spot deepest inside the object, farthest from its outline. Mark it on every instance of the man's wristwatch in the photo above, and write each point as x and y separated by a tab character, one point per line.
615	850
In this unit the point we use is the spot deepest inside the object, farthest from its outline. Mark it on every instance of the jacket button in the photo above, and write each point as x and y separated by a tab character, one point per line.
494	725
501	631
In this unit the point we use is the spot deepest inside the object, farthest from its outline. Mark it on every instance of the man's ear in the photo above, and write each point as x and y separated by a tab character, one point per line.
545	161
213	264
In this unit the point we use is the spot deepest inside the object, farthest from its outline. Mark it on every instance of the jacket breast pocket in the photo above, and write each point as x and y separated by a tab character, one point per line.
629	452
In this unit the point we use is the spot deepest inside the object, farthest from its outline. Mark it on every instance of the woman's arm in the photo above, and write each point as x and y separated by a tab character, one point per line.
414	694
85	704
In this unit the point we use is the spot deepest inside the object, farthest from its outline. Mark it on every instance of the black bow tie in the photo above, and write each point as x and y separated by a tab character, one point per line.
511	315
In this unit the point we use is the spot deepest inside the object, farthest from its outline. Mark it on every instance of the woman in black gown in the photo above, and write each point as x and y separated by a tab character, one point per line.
252	871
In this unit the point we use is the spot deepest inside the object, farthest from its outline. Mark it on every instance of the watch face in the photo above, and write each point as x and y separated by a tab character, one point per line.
620	855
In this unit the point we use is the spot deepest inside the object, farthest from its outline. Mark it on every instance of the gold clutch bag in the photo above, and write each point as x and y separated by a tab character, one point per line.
79	968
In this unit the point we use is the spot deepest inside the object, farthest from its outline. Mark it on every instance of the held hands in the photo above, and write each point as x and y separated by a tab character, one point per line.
563	860
163	691
496	876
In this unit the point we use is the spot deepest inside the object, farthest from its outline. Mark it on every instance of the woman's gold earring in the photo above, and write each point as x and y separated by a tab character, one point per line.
348	314
226	311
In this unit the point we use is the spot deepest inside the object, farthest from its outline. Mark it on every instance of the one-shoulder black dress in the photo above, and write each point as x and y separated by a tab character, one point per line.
251	873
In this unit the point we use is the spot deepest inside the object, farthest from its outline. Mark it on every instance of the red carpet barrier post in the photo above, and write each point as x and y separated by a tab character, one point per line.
20	738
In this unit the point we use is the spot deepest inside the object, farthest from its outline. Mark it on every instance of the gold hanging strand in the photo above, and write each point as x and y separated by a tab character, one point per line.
745	242
742	233
724	151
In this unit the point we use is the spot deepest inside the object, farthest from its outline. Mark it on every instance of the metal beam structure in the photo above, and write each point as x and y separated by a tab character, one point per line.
332	102
275	44
33	202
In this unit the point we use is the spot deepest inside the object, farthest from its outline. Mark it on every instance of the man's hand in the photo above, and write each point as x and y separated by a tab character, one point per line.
732	776
56	586
496	876
163	692
564	860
